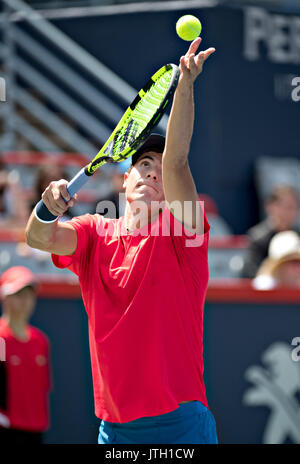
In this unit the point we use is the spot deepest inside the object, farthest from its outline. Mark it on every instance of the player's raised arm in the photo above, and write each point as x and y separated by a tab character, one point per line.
55	237
177	178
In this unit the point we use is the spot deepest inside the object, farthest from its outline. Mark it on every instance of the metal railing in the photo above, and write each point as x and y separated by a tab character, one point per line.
39	64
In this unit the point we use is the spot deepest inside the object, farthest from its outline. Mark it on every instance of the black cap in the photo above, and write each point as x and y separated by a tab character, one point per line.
155	142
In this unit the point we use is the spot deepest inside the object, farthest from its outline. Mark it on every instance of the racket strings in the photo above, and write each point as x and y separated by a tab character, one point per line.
126	137
153	98
134	122
141	115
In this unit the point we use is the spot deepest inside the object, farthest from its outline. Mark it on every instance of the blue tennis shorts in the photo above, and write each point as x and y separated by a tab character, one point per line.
189	423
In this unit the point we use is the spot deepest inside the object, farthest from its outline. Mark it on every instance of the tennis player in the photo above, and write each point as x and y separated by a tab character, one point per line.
143	279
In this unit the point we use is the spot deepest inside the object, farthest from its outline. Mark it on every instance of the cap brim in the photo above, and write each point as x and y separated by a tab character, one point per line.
14	287
155	142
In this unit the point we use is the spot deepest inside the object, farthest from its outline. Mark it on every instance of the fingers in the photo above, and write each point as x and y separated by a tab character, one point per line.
62	188
194	45
187	63
192	49
200	60
57	198
183	64
193	62
202	56
208	52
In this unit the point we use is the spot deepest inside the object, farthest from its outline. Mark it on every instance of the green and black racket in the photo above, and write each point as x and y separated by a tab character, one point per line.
133	129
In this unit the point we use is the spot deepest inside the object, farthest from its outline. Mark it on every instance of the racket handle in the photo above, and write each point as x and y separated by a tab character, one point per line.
41	211
77	182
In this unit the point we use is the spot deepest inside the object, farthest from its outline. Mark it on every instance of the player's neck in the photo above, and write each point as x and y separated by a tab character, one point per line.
132	222
136	218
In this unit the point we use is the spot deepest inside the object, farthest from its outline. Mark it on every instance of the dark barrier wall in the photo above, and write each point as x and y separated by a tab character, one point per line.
243	100
252	381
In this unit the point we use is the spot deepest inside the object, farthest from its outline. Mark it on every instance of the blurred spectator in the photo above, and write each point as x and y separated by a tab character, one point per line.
25	374
282	266
46	174
116	198
282	213
14	211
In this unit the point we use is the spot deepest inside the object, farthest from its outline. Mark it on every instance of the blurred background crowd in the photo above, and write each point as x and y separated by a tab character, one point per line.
72	67
246	254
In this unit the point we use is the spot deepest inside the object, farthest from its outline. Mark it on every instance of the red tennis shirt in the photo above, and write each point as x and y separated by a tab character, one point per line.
144	295
25	380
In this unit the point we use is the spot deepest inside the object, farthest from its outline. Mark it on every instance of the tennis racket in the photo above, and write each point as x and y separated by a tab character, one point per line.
133	129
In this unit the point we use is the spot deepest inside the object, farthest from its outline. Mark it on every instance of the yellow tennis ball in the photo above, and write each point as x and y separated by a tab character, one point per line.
188	27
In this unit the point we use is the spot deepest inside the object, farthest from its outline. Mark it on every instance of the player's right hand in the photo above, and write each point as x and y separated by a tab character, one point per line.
57	198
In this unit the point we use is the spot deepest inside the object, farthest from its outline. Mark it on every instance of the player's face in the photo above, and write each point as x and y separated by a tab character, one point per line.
144	181
21	303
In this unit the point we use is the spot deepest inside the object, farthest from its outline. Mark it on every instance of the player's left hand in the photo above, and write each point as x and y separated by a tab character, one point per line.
191	64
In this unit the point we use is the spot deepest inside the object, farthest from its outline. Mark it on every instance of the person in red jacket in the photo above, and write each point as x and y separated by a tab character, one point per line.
25	372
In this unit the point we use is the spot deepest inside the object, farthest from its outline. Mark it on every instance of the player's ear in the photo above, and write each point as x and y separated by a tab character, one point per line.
125	179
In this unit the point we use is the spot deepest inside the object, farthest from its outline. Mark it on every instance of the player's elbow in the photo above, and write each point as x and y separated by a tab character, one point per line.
37	244
37	241
30	240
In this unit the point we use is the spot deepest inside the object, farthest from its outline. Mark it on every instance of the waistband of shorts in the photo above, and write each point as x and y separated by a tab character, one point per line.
183	411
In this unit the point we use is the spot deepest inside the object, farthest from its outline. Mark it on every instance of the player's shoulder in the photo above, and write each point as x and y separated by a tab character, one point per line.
94	226
87	219
86	223
92	219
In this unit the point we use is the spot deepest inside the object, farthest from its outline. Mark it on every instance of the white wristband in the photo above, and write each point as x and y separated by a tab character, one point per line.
41	220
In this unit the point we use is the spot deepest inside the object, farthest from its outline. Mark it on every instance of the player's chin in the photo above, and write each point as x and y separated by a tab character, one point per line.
155	198
146	195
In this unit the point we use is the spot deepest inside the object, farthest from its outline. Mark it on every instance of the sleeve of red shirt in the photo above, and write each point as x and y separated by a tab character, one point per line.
187	244
87	227
183	236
